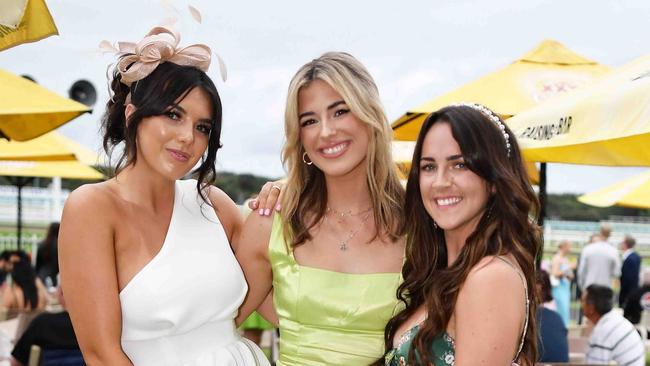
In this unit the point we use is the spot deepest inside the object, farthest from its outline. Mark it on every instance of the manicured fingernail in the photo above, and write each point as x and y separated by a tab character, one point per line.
254	203
261	212
277	207
267	212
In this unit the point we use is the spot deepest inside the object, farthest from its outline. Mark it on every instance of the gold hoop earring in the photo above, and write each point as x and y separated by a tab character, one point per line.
305	157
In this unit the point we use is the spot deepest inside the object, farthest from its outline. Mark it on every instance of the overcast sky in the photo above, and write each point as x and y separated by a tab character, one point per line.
416	50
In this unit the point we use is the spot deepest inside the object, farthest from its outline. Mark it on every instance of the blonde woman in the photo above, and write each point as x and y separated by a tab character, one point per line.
333	256
561	276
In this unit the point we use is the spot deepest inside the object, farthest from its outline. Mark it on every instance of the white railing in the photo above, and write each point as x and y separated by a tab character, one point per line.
29	243
38	207
578	232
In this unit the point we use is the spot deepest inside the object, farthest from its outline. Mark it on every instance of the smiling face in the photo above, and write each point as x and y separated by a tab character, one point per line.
453	195
334	138
171	144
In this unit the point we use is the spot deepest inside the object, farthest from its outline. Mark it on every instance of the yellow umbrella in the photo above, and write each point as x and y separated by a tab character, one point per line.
23	21
49	147
51	155
605	123
403	155
631	192
49	169
548	69
28	110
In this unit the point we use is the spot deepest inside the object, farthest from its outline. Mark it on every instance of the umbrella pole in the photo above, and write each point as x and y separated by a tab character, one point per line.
19	220
542	209
20	182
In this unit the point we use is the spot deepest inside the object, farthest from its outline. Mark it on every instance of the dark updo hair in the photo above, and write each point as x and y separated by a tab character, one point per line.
153	96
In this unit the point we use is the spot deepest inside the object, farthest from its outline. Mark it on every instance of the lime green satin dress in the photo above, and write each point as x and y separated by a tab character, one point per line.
326	317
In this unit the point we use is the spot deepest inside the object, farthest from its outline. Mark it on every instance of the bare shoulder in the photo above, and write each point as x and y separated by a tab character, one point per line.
97	199
491	272
227	211
89	211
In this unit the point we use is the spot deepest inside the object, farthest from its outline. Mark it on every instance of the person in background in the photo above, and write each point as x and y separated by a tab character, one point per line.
47	262
16	256
613	338
552	342
561	275
575	283
48	331
638	300
4	264
26	292
599	262
630	269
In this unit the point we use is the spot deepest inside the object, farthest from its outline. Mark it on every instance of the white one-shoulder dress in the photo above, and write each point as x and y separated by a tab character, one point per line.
179	309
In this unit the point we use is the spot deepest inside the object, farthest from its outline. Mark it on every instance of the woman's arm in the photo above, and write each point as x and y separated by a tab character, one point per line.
489	315
89	276
42	294
7	297
556	267
230	216
267	310
252	254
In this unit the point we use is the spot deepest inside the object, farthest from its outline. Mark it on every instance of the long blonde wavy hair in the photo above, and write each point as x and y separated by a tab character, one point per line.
305	199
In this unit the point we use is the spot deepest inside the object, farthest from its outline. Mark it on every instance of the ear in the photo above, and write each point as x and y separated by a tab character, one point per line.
128	112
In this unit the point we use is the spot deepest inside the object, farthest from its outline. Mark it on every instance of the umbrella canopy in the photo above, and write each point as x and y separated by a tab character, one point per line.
631	192
548	69
49	169
51	155
403	155
28	110
49	147
605	123
23	21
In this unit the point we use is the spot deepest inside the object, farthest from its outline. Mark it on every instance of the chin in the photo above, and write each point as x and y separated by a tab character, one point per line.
341	169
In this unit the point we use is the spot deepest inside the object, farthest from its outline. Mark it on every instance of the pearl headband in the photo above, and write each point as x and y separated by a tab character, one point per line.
493	117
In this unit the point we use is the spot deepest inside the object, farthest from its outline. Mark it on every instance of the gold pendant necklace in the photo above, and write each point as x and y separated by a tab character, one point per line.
343	245
342	214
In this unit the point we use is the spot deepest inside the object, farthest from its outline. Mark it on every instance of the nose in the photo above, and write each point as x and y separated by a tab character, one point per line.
442	179
185	132
328	127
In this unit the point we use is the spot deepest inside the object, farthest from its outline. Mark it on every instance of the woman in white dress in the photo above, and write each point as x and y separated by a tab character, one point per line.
148	272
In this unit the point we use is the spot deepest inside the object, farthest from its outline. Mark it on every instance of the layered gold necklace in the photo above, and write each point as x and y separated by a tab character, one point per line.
340	217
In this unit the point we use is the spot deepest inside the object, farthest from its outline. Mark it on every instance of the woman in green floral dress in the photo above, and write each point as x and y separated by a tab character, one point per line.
471	245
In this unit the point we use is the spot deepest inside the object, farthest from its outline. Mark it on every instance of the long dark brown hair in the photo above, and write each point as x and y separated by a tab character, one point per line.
506	229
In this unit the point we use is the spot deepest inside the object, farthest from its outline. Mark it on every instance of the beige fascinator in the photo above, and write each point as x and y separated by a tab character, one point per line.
138	60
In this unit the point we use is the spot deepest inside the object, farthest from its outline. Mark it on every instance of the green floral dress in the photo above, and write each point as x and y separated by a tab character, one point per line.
442	349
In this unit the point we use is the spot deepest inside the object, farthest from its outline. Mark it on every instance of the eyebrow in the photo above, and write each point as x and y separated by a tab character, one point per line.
182	110
331	106
449	158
